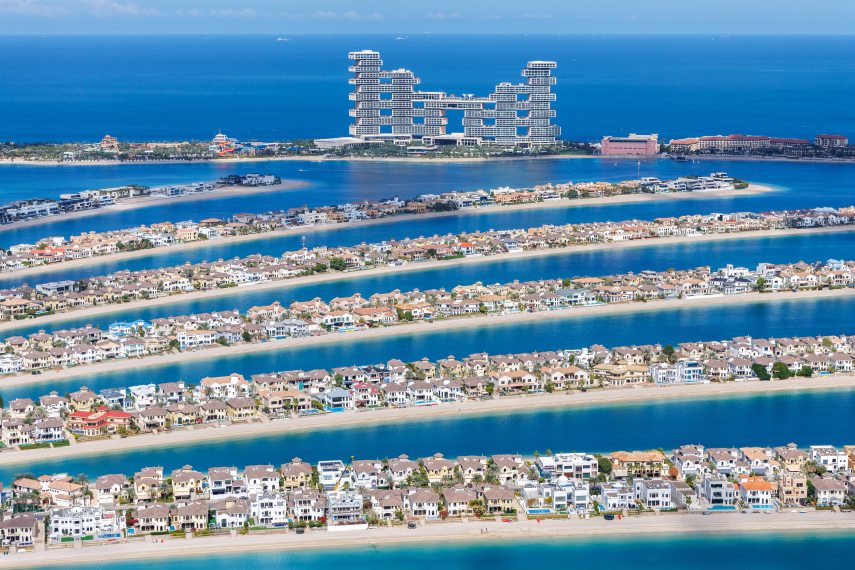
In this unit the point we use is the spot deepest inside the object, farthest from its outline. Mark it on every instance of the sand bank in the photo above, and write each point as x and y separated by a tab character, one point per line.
438	534
216	352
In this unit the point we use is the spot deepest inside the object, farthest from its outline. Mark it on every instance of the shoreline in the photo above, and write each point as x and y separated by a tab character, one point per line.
437	534
419	327
424	159
141	203
752	190
532	403
112	308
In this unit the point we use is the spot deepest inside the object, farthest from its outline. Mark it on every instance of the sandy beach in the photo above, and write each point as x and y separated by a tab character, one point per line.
283	284
753	189
419	327
638	394
443	533
149	201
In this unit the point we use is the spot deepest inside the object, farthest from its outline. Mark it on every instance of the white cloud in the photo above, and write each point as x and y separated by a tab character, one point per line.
235	13
442	15
330	15
32	8
117	8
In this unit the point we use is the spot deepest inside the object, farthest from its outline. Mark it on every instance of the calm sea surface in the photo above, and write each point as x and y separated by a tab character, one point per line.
178	88
785	551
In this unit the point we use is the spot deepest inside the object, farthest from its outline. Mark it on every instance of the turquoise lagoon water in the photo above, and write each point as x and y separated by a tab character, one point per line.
782	318
746	252
787	550
806	418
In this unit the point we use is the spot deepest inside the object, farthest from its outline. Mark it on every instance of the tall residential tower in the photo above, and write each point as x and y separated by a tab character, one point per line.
388	106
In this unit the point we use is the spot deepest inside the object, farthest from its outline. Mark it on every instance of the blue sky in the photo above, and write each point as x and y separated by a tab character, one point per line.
433	16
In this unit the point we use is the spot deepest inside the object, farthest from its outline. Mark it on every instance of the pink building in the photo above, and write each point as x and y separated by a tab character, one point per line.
633	145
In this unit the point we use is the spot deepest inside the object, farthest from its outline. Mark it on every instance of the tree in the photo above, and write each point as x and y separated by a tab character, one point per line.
781	371
760	371
338	264
760	284
805	371
604	465
246	336
668	352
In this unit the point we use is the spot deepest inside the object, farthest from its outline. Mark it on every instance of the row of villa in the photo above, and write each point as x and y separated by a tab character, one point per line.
122	286
333	493
86	200
51	250
88	345
86	415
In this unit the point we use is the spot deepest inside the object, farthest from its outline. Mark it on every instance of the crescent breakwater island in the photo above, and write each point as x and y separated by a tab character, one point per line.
53	301
65	353
91	248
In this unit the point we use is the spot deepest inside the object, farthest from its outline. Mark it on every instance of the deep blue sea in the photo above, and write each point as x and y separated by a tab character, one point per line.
179	88
783	551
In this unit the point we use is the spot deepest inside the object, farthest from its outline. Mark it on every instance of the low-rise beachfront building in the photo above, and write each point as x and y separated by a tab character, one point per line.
829	492
295	475
110	489
792	488
189	516
80	522
616	496
653	493
344	508
269	509
231	512
638	463
152	518
757	493
631	145
19	530
189	484
261	479
829	457
716	490
570	465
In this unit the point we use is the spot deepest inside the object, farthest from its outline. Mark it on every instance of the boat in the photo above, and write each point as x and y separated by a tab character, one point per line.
679	158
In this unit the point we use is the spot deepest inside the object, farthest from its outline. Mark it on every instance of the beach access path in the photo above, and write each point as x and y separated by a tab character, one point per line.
443	533
753	189
617	396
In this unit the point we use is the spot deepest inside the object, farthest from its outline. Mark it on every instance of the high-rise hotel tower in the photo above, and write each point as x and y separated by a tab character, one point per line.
388	106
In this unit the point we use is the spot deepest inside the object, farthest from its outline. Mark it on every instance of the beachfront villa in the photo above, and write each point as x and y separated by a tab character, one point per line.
363	492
